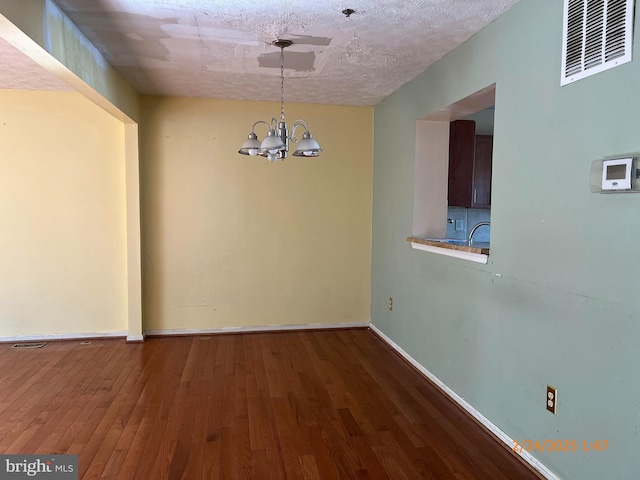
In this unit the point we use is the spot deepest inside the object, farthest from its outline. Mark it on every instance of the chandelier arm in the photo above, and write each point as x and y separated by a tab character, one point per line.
253	128
297	124
270	125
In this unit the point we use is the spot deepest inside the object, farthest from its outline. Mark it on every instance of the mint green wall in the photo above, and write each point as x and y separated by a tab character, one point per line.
558	301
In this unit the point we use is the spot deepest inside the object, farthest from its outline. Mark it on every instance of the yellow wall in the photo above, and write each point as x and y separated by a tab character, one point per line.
232	240
62	203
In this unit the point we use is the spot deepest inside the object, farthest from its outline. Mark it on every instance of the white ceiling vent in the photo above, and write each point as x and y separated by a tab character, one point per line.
597	35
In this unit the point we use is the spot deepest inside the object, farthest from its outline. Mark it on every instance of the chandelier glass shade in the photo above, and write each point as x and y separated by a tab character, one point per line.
276	144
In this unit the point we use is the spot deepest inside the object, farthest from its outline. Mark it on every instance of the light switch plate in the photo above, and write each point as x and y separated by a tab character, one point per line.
459	225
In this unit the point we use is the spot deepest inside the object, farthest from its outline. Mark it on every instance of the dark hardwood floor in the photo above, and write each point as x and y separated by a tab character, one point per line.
336	404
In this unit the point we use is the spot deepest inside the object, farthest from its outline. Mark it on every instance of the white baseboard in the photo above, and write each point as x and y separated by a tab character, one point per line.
185	331
251	329
503	437
62	336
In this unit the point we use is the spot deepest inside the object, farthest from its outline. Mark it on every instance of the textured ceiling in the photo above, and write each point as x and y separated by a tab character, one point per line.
19	72
222	48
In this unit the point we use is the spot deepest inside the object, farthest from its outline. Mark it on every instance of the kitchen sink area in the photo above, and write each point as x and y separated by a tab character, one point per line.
453	244
458	242
469	243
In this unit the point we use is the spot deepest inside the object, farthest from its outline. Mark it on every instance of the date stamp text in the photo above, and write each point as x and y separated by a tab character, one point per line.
559	445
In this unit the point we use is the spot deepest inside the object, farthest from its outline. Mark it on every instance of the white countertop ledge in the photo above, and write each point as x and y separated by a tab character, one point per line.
472	257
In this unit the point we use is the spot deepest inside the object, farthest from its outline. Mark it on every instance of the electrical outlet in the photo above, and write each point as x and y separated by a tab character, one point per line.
552	399
390	304
459	225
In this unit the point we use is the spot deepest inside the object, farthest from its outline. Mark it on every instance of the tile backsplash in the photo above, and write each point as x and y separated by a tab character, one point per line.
465	219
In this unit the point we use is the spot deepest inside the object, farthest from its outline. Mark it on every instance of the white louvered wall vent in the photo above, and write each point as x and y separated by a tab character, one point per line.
597	35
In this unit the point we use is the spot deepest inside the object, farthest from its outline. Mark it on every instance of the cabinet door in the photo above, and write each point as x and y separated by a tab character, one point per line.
482	172
461	153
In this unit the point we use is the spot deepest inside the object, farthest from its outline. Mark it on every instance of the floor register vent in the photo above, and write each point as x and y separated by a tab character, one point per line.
28	345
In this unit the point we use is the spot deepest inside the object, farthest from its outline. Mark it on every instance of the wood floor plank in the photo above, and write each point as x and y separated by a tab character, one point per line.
307	405
202	393
259	464
244	467
136	394
309	467
273	449
322	455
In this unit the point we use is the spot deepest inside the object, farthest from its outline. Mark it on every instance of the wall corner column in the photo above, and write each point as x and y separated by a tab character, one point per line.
134	256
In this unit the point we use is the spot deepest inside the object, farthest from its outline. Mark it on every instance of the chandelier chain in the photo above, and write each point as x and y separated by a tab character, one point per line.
276	144
282	84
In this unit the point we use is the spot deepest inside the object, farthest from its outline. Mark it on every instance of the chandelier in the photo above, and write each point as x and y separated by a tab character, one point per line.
276	144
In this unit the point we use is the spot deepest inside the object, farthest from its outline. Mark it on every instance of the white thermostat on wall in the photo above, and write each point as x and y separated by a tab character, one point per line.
616	175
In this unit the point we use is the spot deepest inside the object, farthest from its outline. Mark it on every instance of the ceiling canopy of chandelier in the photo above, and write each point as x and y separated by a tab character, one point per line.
276	144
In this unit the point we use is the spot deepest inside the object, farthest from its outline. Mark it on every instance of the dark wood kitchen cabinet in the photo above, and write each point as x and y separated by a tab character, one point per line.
469	166
482	172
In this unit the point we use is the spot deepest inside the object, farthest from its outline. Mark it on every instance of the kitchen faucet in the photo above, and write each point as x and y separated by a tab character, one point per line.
473	230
